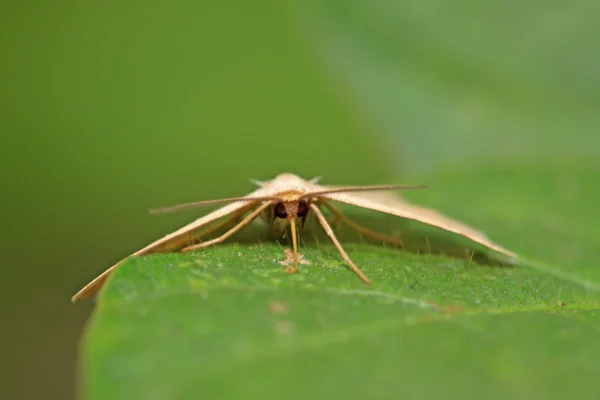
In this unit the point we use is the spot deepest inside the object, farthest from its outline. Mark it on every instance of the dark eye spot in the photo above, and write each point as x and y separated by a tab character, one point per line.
279	210
302	208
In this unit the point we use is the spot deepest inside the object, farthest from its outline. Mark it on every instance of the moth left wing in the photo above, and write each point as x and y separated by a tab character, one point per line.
176	240
389	204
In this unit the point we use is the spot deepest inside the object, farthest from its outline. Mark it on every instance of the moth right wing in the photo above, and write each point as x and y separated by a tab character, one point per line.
394	205
176	240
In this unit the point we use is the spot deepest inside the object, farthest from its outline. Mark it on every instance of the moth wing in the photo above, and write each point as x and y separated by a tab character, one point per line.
394	205
175	240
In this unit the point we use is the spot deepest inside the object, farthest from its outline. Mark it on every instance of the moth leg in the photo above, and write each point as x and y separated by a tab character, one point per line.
337	244
234	219
376	235
333	220
336	221
230	232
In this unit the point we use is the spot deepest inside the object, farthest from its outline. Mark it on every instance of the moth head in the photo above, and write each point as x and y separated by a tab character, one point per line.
290	209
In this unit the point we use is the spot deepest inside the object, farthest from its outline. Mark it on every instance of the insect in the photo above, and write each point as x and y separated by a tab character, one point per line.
286	202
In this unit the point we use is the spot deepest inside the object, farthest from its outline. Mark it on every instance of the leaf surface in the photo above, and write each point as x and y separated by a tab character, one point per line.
228	322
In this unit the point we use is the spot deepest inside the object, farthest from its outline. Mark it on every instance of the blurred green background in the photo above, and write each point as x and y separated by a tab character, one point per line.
110	109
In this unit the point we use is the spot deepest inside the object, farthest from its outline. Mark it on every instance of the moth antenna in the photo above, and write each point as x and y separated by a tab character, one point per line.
184	206
363	189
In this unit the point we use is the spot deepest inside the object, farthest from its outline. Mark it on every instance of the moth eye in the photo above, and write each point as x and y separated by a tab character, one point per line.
280	211
302	208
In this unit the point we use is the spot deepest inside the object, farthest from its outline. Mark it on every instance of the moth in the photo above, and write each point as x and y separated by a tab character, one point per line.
286	203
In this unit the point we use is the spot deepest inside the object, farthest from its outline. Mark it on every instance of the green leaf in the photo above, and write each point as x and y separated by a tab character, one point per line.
478	102
228	322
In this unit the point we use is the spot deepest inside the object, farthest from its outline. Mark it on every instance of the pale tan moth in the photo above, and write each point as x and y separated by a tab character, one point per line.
285	202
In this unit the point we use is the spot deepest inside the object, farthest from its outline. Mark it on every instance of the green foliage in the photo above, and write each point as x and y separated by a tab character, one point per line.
227	322
496	109
110	110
